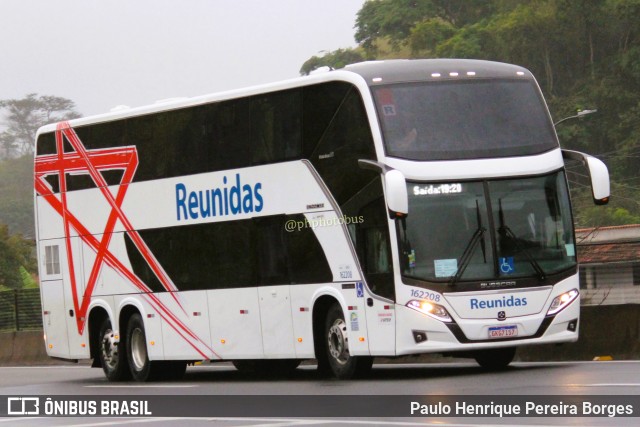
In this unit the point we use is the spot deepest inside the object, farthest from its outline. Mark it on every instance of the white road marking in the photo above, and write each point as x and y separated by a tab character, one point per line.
142	386
606	385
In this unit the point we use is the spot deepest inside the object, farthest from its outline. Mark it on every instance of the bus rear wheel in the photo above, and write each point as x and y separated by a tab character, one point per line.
143	369
341	363
496	358
112	353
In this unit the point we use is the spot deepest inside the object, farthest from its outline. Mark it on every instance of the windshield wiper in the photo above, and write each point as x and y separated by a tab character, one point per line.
504	229
478	236
467	254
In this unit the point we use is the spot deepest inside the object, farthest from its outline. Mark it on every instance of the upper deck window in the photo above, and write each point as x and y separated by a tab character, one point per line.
455	119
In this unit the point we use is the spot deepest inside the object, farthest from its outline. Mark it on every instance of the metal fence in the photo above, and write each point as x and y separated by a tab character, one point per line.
20	310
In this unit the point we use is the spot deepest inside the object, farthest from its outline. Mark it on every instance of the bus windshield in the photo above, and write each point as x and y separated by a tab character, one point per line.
487	230
452	120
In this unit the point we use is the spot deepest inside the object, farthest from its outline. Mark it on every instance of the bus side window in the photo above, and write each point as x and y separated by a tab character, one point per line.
200	256
374	248
307	258
336	136
271	252
232	134
289	257
276	127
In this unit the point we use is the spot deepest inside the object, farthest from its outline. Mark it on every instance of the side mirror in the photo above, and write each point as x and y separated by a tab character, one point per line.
598	174
397	197
395	187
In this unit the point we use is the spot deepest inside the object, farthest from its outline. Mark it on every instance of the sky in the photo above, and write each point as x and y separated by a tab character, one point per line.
105	53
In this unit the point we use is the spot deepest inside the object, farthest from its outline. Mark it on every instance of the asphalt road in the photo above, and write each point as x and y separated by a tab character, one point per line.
453	382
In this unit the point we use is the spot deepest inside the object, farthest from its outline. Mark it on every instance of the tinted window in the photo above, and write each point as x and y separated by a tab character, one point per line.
308	261
276	127
79	182
232	254
271	253
229	137
370	233
533	220
374	248
320	105
464	119
54	182
447	221
284	256
326	123
217	136
491	230
46	144
140	266
203	256
345	139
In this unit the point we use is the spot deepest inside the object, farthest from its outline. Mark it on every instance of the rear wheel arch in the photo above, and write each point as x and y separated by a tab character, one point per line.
97	316
126	311
141	368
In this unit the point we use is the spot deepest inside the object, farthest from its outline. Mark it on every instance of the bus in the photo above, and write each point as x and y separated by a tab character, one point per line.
390	208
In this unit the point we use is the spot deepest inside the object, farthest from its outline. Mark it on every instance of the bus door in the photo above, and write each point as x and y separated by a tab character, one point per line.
274	289
374	251
52	292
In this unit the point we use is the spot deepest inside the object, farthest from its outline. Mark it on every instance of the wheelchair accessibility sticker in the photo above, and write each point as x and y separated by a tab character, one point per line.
506	265
359	290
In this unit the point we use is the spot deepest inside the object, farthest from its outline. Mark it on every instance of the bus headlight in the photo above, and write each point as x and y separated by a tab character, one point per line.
562	300
430	309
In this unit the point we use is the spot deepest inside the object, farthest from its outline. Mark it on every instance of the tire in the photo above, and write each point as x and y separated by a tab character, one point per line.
112	353
341	364
142	369
495	359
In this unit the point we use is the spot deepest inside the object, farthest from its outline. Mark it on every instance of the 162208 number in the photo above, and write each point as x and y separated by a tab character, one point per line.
425	294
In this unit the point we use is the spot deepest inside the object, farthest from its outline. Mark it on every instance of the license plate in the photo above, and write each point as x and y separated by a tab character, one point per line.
506	331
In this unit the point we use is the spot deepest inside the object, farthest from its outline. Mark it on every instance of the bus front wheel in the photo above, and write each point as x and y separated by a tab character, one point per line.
496	358
342	364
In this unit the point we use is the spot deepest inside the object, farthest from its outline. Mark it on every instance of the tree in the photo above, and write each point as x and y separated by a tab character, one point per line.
428	34
16	195
390	19
336	59
396	20
15	257
24	117
584	53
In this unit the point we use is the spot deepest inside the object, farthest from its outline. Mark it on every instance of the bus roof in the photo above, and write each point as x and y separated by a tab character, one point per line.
186	102
410	70
372	72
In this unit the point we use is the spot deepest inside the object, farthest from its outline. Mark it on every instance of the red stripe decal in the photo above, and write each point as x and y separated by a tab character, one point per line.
92	162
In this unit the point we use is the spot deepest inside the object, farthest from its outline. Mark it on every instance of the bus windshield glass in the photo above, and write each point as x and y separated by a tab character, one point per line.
455	119
487	230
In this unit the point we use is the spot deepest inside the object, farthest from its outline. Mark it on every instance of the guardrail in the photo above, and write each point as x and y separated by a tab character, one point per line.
20	310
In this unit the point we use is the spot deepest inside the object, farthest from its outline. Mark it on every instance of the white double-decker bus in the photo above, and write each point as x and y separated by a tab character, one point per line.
388	209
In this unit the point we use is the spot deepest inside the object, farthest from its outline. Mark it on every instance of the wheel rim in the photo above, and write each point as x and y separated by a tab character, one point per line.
337	341
138	349
110	349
